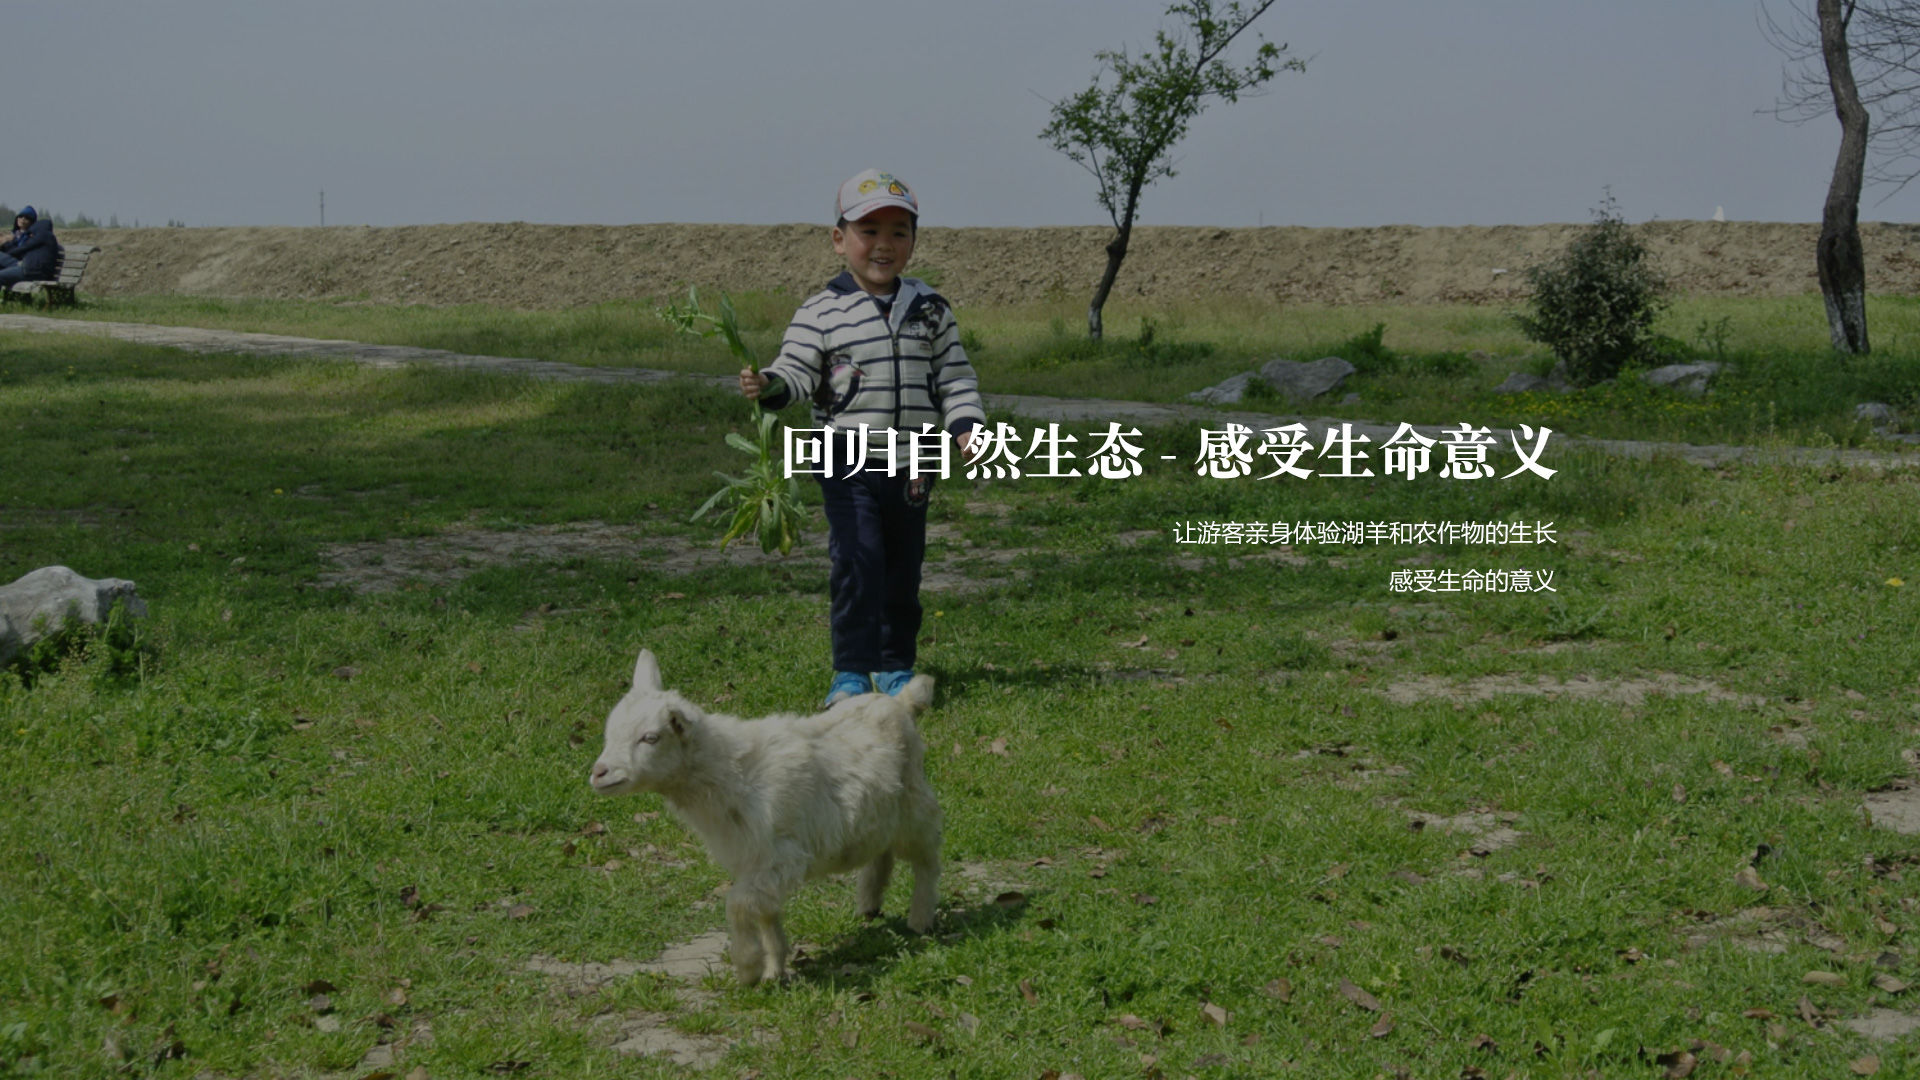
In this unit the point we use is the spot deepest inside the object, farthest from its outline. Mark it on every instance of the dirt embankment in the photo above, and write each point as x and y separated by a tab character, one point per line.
544	266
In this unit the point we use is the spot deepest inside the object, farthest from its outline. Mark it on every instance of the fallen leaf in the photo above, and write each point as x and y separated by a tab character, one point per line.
1679	1063
1483	1042
914	1027
1632	956
1010	899
1809	1011
969	1022
1027	991
1337	870
1280	990
999	747
1723	768
1145	899
1358	996
1866	1066
1760	1014
594	828
963	980
397	996
1749	878
320	1003
508	1066
1888	983
345	672
1141	644
1215	1013
474	666
519	911
1680	796
1824	978
1382	1029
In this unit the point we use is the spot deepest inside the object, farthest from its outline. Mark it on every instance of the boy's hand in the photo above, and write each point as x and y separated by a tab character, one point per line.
965	439
752	383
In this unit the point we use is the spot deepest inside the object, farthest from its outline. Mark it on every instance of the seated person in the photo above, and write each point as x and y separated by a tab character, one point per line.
31	253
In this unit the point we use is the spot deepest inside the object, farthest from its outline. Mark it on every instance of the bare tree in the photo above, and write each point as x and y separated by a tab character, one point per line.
1124	126
1857	60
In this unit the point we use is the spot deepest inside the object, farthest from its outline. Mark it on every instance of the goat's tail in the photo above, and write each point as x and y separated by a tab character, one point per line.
918	693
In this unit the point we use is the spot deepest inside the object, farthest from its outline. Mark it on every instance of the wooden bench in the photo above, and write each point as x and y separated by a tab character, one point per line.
68	269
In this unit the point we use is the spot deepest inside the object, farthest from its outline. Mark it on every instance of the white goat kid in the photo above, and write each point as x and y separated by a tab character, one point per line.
785	799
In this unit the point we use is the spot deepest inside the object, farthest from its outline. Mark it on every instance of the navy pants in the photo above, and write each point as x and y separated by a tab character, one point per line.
876	539
16	273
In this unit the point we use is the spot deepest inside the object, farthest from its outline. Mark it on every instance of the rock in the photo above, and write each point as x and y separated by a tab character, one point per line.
1690	379
1350	399
1522	383
1304	382
1226	392
42	603
1558	380
1875	412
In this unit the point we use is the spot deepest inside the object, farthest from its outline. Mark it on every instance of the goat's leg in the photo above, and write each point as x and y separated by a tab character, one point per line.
872	887
744	939
923	853
773	939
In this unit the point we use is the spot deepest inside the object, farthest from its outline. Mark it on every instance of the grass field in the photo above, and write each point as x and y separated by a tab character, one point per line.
1211	811
1425	364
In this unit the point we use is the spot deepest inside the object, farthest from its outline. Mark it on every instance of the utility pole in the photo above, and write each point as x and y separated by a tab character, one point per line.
323	208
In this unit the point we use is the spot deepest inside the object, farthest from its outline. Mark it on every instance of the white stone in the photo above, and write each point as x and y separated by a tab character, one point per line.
1304	382
1521	382
1689	379
1226	392
42	603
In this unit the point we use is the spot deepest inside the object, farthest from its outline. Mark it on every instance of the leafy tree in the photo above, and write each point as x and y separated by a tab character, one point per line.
1123	127
1595	305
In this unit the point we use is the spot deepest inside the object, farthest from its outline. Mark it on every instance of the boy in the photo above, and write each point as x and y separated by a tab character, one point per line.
883	350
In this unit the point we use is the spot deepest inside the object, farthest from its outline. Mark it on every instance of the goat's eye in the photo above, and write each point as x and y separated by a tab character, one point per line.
650	737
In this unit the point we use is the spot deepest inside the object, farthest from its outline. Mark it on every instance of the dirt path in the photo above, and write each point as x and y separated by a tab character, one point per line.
1092	410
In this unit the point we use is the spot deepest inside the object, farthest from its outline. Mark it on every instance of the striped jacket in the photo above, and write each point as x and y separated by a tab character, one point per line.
899	370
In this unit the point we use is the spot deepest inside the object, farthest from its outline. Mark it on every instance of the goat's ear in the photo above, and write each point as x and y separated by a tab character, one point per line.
646	672
677	721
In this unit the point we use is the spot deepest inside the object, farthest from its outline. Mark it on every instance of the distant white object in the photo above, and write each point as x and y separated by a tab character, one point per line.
1719	214
1498	270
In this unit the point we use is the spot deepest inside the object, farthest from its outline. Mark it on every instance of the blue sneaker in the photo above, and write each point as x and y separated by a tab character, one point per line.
891	683
848	684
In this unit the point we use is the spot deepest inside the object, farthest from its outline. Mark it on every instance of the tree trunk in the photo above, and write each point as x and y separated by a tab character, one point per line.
1116	254
1842	262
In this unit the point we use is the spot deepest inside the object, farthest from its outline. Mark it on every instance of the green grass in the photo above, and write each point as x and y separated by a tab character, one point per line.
1431	364
190	845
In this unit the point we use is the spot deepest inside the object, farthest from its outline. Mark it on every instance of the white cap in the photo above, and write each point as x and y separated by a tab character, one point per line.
871	190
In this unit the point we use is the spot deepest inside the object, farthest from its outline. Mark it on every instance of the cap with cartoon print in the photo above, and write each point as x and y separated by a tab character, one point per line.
871	190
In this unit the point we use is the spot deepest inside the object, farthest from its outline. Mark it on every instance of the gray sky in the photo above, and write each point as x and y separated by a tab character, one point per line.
1423	112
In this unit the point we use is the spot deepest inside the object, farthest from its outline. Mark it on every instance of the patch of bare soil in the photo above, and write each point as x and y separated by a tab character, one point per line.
1885	1025
388	565
1897	810
1771	930
1488	831
1579	688
546	266
640	1032
652	1035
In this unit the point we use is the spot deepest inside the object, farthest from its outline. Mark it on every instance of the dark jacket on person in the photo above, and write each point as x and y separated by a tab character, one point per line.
36	249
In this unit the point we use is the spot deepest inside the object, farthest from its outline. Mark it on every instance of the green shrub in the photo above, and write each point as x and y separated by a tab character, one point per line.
1368	353
1595	305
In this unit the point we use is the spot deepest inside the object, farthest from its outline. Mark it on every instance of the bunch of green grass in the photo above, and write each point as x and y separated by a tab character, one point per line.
763	502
